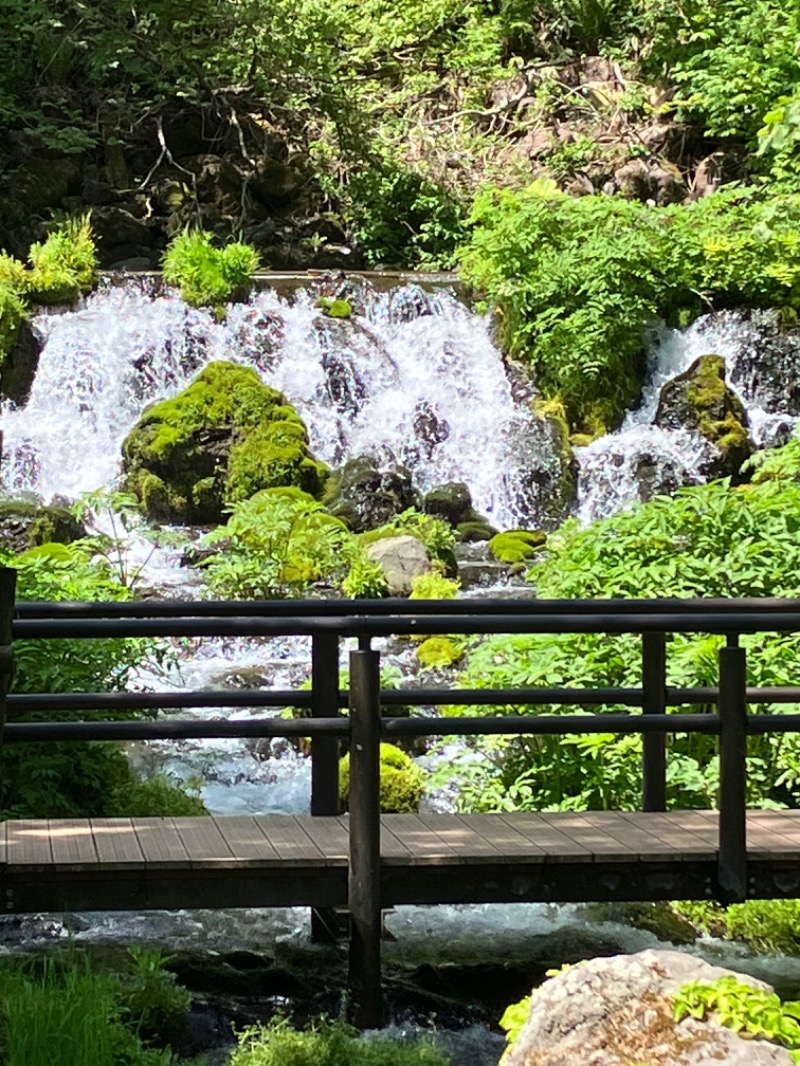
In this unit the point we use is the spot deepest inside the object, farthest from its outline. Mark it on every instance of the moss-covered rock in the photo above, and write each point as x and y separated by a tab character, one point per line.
365	497
473	531
700	400
226	437
516	546
28	525
402	782
550	472
439	651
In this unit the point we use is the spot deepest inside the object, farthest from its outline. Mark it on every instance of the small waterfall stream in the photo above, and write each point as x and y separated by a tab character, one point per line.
413	378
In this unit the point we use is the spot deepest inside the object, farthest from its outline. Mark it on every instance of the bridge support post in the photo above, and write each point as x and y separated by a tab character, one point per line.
364	879
732	707
8	585
654	745
324	755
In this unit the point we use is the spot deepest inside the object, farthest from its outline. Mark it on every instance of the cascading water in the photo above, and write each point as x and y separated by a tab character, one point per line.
641	459
413	380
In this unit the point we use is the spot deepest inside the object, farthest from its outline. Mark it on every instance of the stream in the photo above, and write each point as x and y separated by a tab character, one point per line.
414	379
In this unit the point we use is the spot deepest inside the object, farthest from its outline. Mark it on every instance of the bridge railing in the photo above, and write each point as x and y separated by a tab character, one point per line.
328	622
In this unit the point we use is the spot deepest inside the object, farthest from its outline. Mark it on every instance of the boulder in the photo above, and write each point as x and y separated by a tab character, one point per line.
224	438
366	497
28	525
18	369
120	235
617	1011
548	482
700	401
452	502
402	559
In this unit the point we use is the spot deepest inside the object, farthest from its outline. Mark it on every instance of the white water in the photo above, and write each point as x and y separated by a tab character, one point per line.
414	380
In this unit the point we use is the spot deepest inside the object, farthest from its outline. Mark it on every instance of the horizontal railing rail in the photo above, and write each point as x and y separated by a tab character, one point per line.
45	717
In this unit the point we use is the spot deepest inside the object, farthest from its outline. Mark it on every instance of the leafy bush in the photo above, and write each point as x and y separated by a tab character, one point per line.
365	579
154	1005
277	541
205	274
711	540
65	265
747	1010
577	280
768	925
327	1043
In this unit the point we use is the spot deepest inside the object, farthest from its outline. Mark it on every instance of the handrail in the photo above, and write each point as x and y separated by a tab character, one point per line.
327	622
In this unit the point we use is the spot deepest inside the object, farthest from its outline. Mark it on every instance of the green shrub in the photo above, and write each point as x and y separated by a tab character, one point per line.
402	782
751	1012
153	797
205	274
327	1043
365	579
65	266
577	280
153	1004
278	541
433	586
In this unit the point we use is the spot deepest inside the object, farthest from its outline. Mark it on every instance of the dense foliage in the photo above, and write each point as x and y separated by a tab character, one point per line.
576	281
712	540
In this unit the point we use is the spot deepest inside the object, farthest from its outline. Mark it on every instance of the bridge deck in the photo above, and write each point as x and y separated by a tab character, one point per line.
281	860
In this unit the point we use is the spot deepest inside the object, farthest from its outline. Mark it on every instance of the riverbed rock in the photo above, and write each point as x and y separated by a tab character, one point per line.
221	440
548	483
700	400
402	559
28	525
618	1011
366	497
18	369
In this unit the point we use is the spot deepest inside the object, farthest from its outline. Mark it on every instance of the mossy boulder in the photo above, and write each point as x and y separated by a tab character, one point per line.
700	400
439	651
29	525
366	497
471	532
452	502
224	438
402	782
516	546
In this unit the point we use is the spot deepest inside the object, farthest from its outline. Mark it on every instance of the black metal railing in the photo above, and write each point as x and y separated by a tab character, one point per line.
328	622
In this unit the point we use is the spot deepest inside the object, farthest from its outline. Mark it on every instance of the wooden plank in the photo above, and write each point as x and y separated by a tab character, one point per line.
511	846
595	831
204	843
330	835
117	844
28	843
641	845
161	843
774	833
289	838
247	842
676	832
469	845
393	850
72	843
424	846
543	830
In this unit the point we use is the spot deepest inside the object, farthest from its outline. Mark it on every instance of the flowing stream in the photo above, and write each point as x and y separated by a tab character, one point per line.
414	379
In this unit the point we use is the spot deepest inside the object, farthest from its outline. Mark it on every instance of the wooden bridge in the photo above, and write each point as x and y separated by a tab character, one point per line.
365	861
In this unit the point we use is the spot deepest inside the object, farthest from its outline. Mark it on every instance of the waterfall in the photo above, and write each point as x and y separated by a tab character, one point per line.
641	459
412	379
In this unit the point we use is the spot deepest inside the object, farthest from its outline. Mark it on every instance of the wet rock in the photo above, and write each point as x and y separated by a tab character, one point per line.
120	235
452	502
766	365
402	559
18	369
224	438
642	180
658	476
614	1011
548	479
700	401
366	497
27	525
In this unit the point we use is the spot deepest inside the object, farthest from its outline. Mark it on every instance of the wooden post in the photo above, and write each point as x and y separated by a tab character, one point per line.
364	881
324	757
8	585
654	745
732	707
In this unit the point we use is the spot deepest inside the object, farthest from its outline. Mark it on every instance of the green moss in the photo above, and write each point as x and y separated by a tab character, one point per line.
226	437
402	782
439	651
720	414
516	546
474	531
335	308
